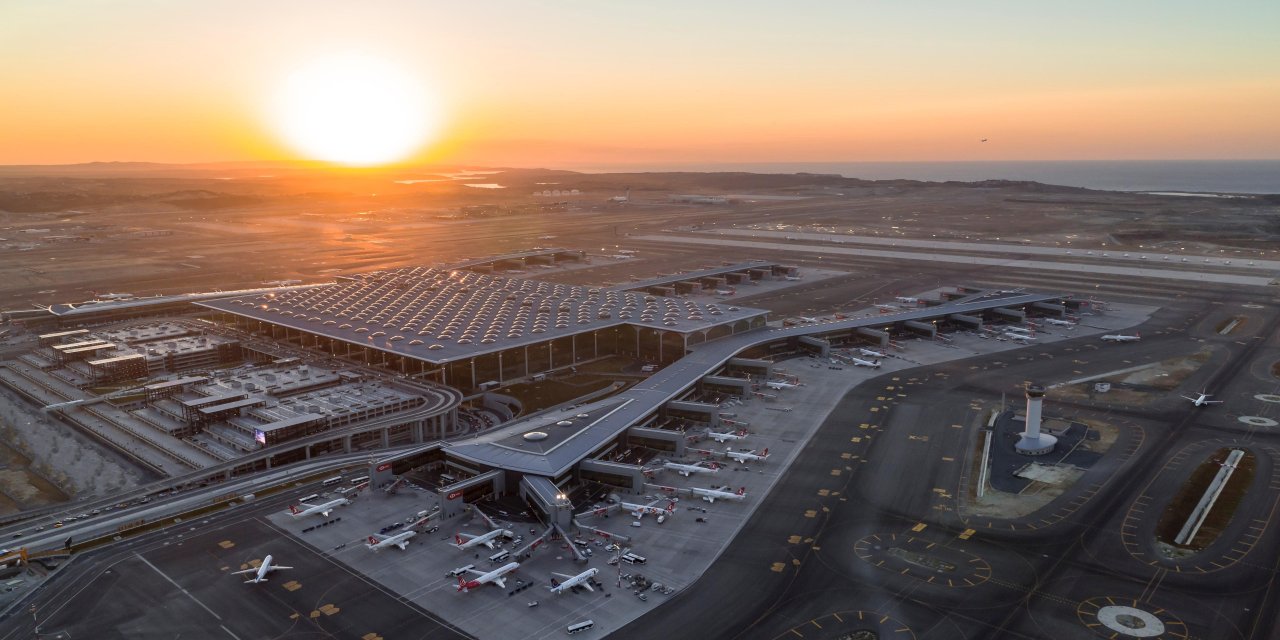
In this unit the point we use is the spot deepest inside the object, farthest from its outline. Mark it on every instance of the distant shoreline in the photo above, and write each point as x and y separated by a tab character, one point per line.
1163	177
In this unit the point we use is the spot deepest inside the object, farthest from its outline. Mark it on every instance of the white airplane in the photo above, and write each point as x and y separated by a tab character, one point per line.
317	509
871	353
793	278
748	456
1202	400
724	292
687	469
779	384
807	319
888	307
728	435
581	580
1060	323
497	576
1022	330
1119	337
113	296
1013	335
377	542
859	362
907	300
639	510
262	571
711	495
466	541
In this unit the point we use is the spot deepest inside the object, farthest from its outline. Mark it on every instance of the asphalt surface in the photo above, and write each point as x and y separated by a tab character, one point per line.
176	584
882	546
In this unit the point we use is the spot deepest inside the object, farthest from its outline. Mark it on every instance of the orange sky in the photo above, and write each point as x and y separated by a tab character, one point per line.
580	83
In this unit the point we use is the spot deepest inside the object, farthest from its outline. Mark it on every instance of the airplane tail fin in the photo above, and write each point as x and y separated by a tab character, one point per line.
462	584
766	453
671	506
742	491
457	537
373	540
294	510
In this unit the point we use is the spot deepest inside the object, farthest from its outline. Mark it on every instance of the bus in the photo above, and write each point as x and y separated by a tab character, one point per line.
580	626
314	496
332	481
359	481
631	558
499	556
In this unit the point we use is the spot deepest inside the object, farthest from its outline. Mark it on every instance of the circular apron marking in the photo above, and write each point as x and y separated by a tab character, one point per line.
1258	421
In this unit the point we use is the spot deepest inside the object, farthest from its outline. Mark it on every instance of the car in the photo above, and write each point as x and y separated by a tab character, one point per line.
96	511
57	524
433	529
642	596
700	519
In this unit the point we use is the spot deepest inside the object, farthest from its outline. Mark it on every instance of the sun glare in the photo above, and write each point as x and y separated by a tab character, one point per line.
355	110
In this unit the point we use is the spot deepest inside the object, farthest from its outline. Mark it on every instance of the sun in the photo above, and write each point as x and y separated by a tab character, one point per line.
355	110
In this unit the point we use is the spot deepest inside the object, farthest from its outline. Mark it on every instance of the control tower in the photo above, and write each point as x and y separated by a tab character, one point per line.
1034	443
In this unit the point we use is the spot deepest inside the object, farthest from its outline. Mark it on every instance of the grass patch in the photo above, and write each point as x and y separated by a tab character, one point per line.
1175	515
536	396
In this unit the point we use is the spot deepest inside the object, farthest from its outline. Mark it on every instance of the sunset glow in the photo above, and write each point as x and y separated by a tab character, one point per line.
595	84
353	110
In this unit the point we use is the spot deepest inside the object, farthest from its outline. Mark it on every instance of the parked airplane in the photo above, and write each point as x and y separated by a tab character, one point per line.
725	292
263	569
887	308
581	580
377	542
639	510
1060	323
793	278
711	495
907	300
859	362
687	469
1202	400
807	319
728	435
317	509
748	456
466	540
779	384
1022	330
497	576
871	353
1119	337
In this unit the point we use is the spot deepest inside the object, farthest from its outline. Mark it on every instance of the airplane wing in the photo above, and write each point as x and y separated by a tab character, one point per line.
236	573
1189	398
476	572
501	581
276	567
562	576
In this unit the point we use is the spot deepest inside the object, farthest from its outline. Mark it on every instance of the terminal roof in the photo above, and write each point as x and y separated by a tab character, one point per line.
618	413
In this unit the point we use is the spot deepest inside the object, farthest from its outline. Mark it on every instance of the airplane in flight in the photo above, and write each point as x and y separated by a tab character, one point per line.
639	510
317	509
711	495
581	580
497	576
1060	323
378	542
748	456
871	353
779	384
728	435
1119	337
688	469
466	541
859	362
262	570
1203	399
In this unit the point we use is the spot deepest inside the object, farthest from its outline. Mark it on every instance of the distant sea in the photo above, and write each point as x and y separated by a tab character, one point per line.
1195	176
